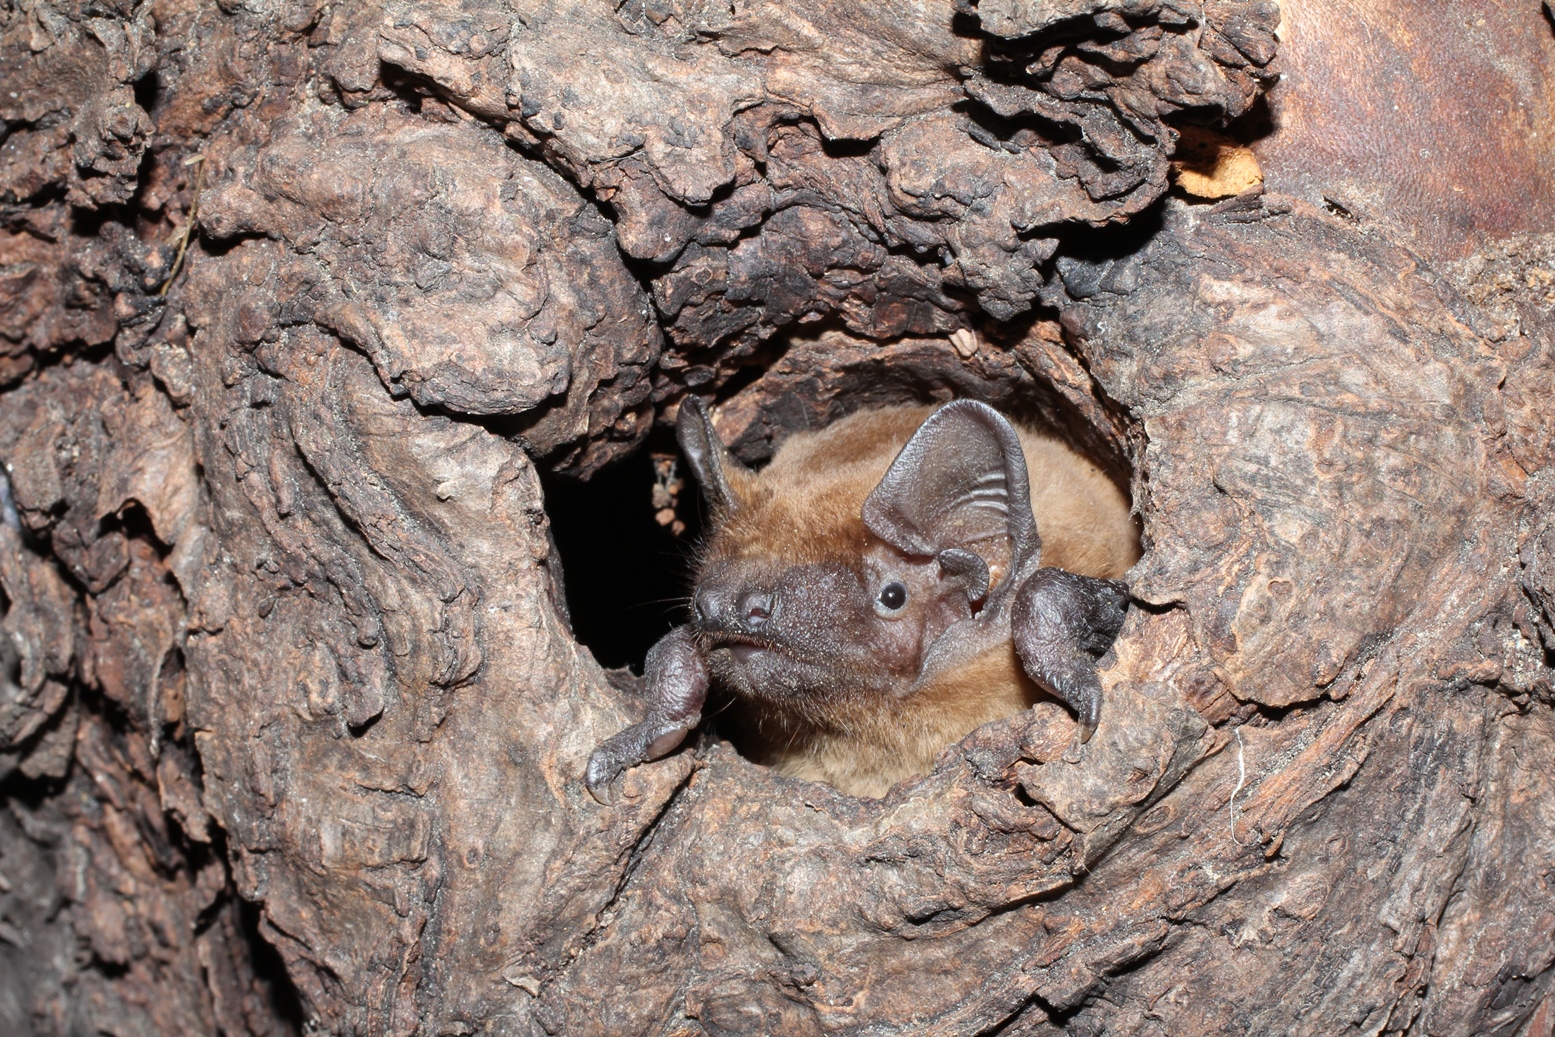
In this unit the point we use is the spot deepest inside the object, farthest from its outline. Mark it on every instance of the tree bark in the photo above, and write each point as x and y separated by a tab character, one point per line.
304	307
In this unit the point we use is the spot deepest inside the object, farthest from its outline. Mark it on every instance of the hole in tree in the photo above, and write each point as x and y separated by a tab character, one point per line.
627	576
147	90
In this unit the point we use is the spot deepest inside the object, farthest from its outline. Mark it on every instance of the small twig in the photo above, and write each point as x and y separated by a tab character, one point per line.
194	211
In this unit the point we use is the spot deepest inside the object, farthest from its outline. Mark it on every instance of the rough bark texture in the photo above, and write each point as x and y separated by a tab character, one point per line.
299	300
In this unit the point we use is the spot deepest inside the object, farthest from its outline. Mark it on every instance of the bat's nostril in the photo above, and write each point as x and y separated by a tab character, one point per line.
756	609
707	604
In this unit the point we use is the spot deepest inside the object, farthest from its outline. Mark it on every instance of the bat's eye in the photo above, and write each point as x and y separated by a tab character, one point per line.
893	596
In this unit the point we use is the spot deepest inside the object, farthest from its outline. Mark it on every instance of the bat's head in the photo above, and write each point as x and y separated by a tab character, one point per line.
831	574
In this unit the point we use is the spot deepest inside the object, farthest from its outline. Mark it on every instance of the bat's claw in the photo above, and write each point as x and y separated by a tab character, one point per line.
677	683
1080	687
644	741
602	774
614	756
1061	624
607	794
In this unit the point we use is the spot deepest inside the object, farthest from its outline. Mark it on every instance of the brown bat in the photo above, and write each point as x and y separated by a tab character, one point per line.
880	590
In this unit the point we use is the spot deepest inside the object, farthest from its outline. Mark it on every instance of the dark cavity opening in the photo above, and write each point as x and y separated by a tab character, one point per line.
627	576
147	90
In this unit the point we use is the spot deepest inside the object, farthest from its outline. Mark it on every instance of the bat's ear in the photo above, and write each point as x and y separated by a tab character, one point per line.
958	485
709	458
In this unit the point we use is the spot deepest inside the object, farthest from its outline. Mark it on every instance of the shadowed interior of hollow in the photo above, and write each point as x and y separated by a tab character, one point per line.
627	577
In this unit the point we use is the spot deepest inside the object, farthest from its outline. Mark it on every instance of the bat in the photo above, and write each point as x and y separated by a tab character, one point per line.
880	590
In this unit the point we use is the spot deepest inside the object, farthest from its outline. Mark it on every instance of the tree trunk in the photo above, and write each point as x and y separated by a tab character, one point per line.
312	316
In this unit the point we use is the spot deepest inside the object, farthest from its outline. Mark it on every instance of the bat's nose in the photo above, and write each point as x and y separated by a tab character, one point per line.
740	610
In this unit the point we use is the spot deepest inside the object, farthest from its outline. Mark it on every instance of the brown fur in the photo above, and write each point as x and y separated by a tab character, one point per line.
880	747
805	506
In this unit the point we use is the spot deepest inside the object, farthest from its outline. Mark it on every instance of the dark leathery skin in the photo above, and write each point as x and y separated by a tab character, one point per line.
676	674
1061	624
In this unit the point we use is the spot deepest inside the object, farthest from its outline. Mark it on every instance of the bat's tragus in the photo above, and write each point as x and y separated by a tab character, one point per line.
882	588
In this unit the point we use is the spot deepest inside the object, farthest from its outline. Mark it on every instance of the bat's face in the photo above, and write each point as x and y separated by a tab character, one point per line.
802	635
832	574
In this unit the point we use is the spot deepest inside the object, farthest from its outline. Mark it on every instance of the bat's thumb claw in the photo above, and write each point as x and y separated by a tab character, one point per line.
1075	751
600	777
